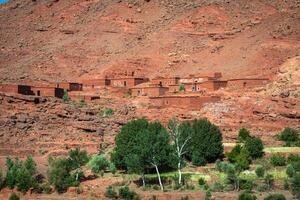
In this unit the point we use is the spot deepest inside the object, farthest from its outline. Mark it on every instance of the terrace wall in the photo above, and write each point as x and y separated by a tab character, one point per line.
70	86
48	92
186	102
166	81
127	82
149	91
17	89
246	83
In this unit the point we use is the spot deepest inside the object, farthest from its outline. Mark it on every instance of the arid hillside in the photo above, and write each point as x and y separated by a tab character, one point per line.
57	40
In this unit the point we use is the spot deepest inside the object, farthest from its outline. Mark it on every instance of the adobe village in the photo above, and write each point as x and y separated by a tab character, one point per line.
149	100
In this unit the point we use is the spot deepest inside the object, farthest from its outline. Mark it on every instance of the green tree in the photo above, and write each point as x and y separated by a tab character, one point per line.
295	185
110	193
30	165
244	134
232	176
278	160
2	180
289	135
275	197
180	137
269	181
112	168
206	143
240	157
260	171
126	194
255	147
77	158
24	180
98	163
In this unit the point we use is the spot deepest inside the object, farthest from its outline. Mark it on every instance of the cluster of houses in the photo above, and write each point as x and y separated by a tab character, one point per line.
193	90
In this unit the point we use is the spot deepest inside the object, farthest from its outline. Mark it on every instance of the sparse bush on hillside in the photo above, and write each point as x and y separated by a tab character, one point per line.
14	196
275	197
278	160
66	96
289	135
295	185
98	163
240	157
21	174
2	180
77	158
290	171
108	112
112	168
247	196
181	88
255	147
244	134
260	171
126	194
293	158
110	193
269	181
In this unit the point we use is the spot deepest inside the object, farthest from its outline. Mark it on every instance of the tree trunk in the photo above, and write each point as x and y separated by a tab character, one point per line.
179	173
159	180
143	179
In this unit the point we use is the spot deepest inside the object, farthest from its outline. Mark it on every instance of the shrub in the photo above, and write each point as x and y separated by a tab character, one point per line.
244	134
295	185
275	197
181	88
269	181
24	180
260	171
208	195
126	194
277	160
289	136
255	147
98	163
290	171
206	143
14	196
286	184
77	158
112	168
82	102
201	181
246	184
240	157
110	193
108	112
296	166
247	196
66	96
218	165
217	187
262	188
293	158
60	175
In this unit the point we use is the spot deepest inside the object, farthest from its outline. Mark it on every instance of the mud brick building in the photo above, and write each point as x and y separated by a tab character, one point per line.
165	81
146	89
186	102
128	81
198	78
70	86
48	91
85	97
95	83
16	89
246	83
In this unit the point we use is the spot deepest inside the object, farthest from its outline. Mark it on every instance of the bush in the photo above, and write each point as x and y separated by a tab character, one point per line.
126	194
108	112
66	96
295	185
82	102
98	163
14	196
275	197
240	157
21	174
286	184
112	168
296	166
201	181
208	195
269	181
293	158
181	88
247	196
244	134
290	171
2	180
110	193
260	171
77	158
255	147
262	188
60	175
206	143
217	187
289	135
246	184
277	160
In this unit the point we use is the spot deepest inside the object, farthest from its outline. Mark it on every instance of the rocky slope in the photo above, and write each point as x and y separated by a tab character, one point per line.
72	39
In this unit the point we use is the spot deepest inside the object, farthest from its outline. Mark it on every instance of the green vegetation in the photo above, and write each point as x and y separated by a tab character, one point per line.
295	185
98	163
275	197
181	88
126	194
290	136
255	147
247	196
111	193
260	171
244	134
108	112
14	196
66	96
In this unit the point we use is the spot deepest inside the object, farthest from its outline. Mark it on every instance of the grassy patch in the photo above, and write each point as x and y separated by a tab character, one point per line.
282	150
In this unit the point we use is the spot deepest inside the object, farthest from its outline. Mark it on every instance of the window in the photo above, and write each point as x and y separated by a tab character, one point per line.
39	93
244	84
125	84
